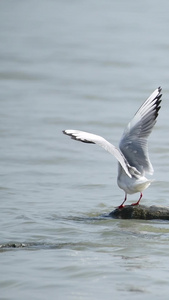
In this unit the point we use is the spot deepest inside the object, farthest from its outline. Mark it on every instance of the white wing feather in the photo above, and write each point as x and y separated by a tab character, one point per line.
133	144
86	137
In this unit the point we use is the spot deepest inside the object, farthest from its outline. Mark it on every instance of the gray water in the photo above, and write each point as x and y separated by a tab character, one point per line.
85	65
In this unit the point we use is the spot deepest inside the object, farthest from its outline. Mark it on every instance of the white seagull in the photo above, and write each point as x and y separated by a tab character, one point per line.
132	154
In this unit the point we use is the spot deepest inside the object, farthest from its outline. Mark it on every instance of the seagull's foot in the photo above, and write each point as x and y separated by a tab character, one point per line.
137	203
121	206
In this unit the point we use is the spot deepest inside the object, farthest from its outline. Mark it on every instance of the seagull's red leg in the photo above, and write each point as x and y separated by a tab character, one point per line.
122	205
137	203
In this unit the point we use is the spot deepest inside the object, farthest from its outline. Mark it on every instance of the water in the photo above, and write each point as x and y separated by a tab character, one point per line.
84	65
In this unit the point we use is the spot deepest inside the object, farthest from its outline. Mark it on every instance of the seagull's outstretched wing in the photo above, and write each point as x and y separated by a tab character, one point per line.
134	140
86	137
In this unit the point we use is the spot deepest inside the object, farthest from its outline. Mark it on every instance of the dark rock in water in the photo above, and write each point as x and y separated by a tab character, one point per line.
141	212
12	245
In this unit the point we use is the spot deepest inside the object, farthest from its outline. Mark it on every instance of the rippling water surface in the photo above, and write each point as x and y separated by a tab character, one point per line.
85	65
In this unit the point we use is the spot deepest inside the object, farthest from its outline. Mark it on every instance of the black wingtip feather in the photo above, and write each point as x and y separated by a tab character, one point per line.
158	101
73	137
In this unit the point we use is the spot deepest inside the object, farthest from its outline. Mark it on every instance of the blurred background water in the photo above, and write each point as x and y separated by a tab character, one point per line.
85	65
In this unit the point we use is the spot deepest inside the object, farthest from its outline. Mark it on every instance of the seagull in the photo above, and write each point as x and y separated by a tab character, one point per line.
132	154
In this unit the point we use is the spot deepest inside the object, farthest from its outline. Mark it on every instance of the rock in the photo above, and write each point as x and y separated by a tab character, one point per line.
141	212
12	245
